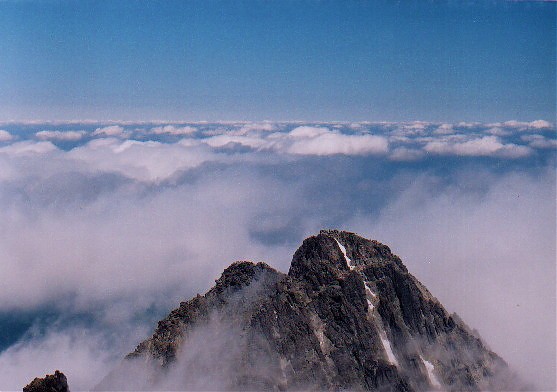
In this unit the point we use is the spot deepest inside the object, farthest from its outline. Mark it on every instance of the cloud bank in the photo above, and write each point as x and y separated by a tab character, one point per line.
59	135
123	222
5	136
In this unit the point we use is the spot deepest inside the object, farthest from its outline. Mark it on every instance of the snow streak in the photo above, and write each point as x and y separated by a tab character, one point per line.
429	366
349	262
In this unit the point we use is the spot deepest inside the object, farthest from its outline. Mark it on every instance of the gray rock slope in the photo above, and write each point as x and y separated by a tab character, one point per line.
347	316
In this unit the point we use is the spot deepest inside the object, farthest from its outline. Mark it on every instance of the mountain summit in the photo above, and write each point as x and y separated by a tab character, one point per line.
347	316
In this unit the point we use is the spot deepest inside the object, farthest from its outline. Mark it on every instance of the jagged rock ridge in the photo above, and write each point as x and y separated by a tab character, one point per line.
348	315
56	382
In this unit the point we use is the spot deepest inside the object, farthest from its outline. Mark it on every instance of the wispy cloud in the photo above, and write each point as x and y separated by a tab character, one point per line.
484	146
173	130
5	136
28	147
111	131
60	135
524	126
321	141
540	141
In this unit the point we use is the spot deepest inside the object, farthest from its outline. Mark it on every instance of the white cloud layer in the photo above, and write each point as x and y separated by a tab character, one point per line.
28	148
522	125
60	135
111	131
173	130
540	141
5	136
146	161
484	146
320	142
397	141
304	140
120	225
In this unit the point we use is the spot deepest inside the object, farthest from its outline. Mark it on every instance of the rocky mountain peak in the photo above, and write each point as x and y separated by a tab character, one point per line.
240	274
348	315
332	253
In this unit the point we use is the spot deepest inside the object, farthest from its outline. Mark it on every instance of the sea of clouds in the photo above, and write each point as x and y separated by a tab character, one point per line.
107	226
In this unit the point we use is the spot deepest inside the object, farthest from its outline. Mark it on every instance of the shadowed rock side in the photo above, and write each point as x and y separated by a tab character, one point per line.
348	315
56	382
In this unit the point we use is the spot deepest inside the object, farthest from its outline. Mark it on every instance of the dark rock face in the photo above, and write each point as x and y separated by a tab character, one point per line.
347	316
56	382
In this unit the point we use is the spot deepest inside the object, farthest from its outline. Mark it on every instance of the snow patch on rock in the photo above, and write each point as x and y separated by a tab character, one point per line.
388	349
370	297
348	260
429	367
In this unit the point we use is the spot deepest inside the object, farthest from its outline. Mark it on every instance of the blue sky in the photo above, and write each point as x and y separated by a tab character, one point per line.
307	60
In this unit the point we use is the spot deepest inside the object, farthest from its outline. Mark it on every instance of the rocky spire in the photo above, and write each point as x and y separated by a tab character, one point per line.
56	382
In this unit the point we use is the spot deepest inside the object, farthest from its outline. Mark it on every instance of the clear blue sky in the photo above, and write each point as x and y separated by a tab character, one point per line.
278	60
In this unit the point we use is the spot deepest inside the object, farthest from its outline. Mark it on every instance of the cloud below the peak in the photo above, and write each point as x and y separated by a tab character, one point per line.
127	220
173	130
484	146
414	141
111	131
5	136
59	135
320	141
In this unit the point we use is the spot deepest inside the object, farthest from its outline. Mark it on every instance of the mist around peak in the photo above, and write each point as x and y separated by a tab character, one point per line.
104	235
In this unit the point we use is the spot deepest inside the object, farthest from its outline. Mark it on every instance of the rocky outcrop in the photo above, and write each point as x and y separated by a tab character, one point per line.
348	315
56	382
